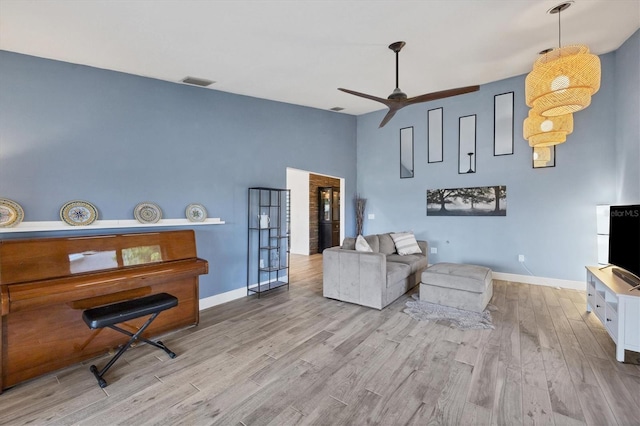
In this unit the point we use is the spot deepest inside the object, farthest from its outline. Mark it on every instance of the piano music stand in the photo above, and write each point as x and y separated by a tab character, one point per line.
116	313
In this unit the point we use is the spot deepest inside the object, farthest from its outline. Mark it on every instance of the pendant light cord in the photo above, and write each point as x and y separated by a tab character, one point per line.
559	29
397	69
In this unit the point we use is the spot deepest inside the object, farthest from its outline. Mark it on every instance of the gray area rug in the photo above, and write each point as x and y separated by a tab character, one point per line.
464	320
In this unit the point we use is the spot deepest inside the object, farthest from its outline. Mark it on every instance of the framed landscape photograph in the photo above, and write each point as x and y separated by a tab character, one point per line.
476	201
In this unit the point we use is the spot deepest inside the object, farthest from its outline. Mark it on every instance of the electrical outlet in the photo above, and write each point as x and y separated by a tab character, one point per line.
521	258
371	216
434	250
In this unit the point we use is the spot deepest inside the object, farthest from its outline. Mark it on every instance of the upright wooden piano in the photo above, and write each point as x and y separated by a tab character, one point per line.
46	283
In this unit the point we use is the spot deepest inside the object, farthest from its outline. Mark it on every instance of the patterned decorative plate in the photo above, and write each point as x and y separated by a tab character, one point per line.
79	213
196	213
11	213
147	212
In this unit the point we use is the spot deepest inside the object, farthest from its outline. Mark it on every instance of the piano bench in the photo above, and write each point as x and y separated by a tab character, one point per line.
116	313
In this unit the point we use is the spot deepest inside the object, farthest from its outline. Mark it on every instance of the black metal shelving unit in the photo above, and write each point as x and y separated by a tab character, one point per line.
269	219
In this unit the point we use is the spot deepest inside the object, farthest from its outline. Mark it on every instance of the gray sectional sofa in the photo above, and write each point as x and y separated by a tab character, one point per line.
373	279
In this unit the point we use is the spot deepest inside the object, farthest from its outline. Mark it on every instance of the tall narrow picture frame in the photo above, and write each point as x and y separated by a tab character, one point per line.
434	136
406	153
503	124
467	144
544	157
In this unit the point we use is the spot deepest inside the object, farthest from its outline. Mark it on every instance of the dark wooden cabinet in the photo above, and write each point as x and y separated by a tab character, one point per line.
329	220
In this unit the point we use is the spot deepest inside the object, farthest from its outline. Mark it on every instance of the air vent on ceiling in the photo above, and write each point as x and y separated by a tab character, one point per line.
336	109
197	81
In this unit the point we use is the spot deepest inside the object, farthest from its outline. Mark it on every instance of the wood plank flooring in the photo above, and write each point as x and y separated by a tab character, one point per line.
296	358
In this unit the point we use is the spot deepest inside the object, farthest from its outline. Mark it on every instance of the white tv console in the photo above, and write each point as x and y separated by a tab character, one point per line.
618	309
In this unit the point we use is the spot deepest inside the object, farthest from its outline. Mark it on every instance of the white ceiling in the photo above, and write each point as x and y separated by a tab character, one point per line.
301	51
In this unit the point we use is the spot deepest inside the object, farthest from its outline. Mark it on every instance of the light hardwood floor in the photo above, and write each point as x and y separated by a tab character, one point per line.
293	357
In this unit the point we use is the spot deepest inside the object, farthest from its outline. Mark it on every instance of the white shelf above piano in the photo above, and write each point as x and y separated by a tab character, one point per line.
58	225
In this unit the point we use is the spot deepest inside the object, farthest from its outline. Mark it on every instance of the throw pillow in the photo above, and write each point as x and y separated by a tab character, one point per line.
362	244
406	243
387	246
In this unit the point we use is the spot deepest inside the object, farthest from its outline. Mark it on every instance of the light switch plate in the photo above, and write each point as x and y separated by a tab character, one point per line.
371	216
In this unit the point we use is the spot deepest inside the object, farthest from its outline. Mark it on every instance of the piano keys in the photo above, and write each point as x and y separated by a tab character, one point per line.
46	284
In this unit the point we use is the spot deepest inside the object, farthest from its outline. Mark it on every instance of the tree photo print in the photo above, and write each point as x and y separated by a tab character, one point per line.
478	201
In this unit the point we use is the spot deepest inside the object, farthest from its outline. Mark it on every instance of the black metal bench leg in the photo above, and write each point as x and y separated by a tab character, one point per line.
160	345
157	344
122	350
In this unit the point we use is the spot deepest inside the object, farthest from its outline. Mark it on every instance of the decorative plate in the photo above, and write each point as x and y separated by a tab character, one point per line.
196	213
11	213
147	212
79	213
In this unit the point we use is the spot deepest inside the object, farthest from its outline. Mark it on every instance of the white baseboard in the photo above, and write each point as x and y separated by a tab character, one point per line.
219	299
549	282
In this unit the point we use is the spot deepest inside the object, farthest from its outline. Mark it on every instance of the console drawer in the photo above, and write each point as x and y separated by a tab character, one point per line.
599	307
591	294
611	323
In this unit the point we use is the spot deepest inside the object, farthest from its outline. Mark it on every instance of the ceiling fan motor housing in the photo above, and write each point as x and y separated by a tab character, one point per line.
397	94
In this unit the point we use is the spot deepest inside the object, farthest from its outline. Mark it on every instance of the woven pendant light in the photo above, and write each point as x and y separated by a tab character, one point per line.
564	79
546	131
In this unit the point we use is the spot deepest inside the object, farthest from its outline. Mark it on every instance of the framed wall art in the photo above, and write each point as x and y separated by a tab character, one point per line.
475	201
467	144
406	153
503	124
544	157
434	136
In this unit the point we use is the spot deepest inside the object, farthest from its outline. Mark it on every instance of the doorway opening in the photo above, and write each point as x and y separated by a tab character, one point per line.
305	205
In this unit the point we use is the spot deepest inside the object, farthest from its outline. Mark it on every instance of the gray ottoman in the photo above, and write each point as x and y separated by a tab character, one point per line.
468	287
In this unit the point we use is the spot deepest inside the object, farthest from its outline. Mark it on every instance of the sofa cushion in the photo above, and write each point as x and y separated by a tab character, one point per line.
405	243
387	246
349	243
362	244
415	261
471	278
396	271
373	242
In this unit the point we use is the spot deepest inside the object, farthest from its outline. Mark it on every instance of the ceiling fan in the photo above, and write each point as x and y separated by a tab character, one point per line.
398	99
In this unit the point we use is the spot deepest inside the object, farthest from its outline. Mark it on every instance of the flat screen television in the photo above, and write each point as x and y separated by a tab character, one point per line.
624	242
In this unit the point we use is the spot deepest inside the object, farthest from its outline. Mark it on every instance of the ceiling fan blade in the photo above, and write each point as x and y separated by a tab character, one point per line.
392	111
393	104
440	95
364	95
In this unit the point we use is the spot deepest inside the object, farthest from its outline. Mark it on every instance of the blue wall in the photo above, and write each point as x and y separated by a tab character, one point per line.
627	104
551	212
74	132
